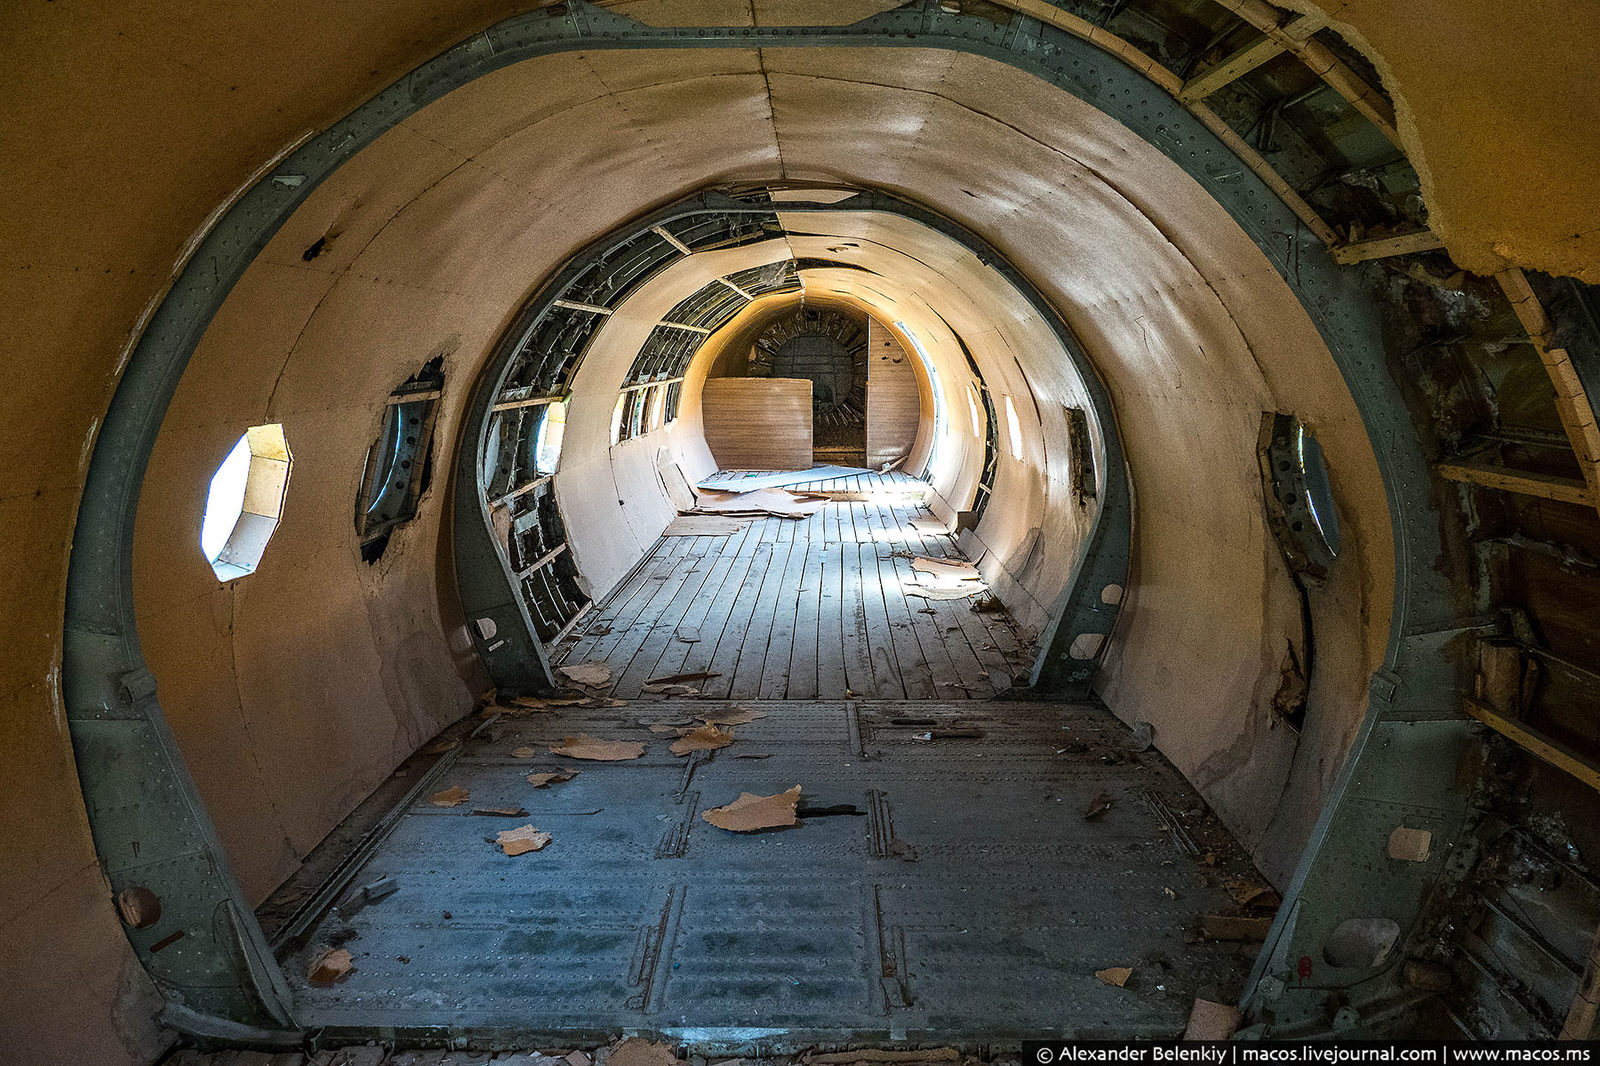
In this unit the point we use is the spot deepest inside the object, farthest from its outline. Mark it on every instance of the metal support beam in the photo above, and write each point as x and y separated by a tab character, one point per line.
1522	482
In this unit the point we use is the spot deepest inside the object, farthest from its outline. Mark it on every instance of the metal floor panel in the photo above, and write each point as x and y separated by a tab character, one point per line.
969	901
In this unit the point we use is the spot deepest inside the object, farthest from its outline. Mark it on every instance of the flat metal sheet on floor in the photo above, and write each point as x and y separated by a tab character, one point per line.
958	893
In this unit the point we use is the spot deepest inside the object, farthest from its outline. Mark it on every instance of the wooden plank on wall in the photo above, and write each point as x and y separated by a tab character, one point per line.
894	404
1544	486
758	423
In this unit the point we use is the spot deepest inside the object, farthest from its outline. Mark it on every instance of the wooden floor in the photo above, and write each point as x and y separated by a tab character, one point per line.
815	608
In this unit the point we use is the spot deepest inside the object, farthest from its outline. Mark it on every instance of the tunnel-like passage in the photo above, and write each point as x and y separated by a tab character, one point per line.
497	334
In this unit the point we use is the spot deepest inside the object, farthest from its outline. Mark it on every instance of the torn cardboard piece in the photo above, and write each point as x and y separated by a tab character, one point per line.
1098	806
750	812
632	1051
775	503
454	796
707	738
1116	976
330	966
593	673
583	746
551	777
521	840
1234	927
947	570
1211	1021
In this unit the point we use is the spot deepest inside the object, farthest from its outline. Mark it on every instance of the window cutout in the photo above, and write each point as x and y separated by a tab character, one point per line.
617	413
245	501
547	442
1299	496
1080	455
1014	428
398	464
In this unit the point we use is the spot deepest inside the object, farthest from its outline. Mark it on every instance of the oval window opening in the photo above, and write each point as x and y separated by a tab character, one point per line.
245	501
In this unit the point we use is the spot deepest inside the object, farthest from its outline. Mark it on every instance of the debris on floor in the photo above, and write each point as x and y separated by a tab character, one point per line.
947	569
943	592
736	716
521	840
551	777
632	1051
688	634
750	812
929	525
704	525
707	738
500	812
1234	927
524	753
439	747
651	688
540	703
1143	735
1098	806
776	503
454	796
1116	976
334	964
679	679
1211	1021
745	480
593	673
583	746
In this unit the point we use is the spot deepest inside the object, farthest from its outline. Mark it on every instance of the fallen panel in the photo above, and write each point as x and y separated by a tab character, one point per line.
748	480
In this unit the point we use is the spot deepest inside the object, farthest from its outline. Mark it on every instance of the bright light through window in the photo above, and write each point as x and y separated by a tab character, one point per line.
937	390
547	446
616	418
1014	428
225	500
244	502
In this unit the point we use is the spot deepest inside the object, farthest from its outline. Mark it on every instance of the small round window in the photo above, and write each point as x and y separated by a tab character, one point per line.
245	502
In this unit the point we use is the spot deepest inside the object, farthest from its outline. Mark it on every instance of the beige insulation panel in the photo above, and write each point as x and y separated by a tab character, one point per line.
758	423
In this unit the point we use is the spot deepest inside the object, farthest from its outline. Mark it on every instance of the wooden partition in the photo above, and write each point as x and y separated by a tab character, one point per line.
758	423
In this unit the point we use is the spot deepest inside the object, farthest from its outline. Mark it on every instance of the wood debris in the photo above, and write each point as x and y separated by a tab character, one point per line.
539	703
454	796
651	689
773	502
593	673
1098	806
501	812
551	777
331	965
583	746
1116	976
523	839
1248	893
750	812
707	738
439	747
943	592
524	753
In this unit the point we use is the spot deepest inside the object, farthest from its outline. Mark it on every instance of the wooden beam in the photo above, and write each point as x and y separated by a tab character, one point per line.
1504	479
520	490
1424	240
1535	743
527	401
1257	53
1573	404
577	305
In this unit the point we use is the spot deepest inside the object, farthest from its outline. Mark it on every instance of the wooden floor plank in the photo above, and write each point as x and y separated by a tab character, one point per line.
754	646
700	617
803	609
775	673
